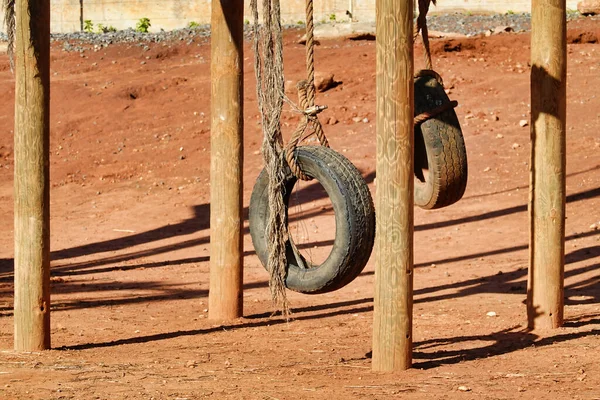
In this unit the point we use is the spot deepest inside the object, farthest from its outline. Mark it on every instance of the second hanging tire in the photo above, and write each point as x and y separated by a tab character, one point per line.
440	152
354	219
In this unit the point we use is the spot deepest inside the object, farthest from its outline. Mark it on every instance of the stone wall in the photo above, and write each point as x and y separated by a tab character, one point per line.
68	15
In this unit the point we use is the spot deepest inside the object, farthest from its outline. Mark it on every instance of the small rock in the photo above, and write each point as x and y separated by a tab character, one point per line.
365	120
594	227
302	40
502	29
324	81
523	123
332	121
487	169
589	7
492	314
357	119
499	136
464	388
516	146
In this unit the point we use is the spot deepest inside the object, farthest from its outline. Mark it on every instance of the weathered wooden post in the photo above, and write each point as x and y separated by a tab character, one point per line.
32	186
545	297
392	325
226	220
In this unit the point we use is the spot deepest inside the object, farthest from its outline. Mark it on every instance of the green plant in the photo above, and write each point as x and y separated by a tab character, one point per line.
106	29
510	12
300	22
193	25
332	17
246	22
88	26
143	25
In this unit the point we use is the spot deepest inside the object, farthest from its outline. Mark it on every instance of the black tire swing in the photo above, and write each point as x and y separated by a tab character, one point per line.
346	188
354	219
440	156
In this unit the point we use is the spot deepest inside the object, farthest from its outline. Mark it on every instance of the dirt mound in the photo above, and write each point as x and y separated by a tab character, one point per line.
136	92
578	37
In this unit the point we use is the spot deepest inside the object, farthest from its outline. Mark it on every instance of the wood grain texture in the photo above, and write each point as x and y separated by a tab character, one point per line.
226	220
392	324
32	189
545	292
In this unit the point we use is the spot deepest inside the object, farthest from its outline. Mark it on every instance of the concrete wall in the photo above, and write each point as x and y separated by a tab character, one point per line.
68	15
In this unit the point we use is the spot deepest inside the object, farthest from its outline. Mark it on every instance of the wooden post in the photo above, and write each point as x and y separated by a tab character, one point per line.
545	297
226	250
392	325
32	194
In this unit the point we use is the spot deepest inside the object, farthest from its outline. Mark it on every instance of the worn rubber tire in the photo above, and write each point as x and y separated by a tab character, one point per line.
439	150
354	219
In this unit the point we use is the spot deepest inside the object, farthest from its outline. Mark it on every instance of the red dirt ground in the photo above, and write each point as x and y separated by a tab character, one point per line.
130	239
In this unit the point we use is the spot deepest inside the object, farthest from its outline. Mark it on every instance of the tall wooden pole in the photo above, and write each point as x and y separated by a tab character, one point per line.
545	292
226	252
32	194
392	325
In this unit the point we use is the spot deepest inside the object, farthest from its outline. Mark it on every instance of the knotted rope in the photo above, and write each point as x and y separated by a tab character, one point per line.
268	63
306	99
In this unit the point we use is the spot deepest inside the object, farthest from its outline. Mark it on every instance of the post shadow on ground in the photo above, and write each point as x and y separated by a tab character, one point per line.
509	282
504	342
199	222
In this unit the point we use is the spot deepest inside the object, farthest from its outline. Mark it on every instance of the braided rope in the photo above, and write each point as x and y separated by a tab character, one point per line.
10	24
269	86
421	26
310	53
306	98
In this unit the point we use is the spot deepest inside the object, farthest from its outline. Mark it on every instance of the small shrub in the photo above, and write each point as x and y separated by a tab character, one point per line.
88	26
510	12
193	25
143	25
332	17
106	29
300	22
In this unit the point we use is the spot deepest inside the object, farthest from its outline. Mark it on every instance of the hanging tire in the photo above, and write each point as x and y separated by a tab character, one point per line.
354	219
440	153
